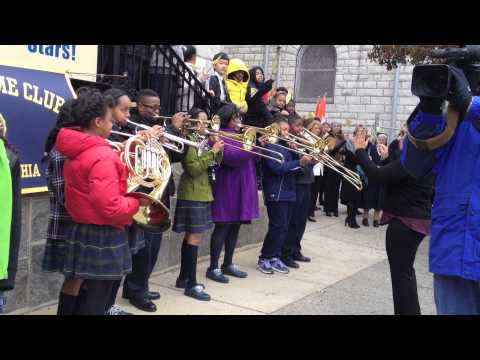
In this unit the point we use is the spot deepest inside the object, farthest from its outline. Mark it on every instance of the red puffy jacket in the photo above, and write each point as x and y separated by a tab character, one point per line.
95	181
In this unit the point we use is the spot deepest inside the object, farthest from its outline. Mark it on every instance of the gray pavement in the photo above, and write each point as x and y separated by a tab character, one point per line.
348	275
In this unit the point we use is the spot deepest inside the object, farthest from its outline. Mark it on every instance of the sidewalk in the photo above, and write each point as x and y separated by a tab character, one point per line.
348	275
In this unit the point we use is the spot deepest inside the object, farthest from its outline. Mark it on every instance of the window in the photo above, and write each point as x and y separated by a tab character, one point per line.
315	73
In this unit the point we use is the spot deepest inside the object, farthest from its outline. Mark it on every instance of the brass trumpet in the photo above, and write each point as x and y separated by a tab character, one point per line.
180	148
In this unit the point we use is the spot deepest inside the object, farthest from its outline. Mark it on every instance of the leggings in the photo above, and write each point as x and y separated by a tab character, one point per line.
402	244
223	234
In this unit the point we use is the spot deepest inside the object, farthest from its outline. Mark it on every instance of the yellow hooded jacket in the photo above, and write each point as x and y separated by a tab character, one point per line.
238	90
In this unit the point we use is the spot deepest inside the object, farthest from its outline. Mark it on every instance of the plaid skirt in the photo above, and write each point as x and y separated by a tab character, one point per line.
97	252
192	216
54	253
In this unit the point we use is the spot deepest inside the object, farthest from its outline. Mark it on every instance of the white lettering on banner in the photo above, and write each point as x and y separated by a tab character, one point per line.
9	87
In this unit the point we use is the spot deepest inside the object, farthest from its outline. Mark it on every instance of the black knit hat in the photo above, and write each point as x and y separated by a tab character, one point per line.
226	113
220	56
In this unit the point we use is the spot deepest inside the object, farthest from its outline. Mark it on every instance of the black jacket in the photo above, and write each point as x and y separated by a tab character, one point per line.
405	196
9	283
216	103
257	113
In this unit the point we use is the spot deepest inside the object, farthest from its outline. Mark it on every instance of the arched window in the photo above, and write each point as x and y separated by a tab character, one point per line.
315	73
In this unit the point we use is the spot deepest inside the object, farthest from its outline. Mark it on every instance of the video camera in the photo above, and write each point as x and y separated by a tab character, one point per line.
434	80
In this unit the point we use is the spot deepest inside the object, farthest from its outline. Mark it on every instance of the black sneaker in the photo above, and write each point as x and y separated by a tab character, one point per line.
301	258
216	275
290	263
197	293
233	270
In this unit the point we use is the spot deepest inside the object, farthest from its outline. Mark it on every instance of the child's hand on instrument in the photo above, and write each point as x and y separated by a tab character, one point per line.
218	146
157	131
305	160
263	140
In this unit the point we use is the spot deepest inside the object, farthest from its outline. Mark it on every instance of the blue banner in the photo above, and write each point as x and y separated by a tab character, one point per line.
29	104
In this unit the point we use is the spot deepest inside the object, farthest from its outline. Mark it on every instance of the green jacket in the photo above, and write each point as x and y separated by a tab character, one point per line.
194	184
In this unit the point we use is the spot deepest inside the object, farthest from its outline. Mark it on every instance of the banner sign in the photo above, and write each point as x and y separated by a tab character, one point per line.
29	104
75	59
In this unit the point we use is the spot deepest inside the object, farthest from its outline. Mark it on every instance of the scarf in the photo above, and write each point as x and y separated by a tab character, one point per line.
5	210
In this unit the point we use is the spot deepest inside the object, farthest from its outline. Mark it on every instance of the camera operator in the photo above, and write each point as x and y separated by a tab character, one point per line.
455	234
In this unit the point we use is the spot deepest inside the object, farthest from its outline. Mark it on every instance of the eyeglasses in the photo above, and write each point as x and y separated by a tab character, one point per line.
151	107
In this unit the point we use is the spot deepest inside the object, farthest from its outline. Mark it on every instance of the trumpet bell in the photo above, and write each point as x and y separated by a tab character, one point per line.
249	139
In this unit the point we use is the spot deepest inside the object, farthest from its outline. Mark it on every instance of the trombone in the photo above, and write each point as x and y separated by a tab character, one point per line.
180	148
316	148
247	139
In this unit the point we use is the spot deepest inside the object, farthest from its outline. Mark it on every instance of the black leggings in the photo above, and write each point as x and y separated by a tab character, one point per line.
94	297
402	244
113	294
223	234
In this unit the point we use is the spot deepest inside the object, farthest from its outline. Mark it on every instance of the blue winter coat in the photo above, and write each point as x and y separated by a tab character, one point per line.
455	236
279	179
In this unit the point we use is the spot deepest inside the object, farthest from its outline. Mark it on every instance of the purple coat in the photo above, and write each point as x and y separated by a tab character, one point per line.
235	190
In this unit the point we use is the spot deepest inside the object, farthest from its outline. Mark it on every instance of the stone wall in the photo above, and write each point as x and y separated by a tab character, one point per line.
33	288
363	90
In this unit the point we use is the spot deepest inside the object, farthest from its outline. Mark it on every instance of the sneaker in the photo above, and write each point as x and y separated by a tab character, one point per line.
117	310
265	266
233	270
216	275
197	292
279	266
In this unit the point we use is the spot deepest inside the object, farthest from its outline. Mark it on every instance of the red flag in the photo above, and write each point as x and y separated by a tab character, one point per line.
321	110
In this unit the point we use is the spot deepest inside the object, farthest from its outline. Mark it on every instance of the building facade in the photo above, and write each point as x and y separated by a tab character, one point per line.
358	91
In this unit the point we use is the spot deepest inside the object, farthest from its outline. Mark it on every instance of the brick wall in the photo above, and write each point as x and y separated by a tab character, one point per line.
363	90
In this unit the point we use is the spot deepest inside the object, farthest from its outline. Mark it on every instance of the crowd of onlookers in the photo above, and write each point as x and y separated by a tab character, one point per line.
261	102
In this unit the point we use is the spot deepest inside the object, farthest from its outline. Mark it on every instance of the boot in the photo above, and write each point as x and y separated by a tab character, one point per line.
351	219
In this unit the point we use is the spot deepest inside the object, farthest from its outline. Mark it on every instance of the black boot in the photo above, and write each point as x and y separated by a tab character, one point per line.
66	304
351	219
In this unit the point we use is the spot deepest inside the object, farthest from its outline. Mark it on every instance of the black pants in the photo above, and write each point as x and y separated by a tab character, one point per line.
402	244
93	299
143	262
298	222
279	214
332	190
223	234
316	192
